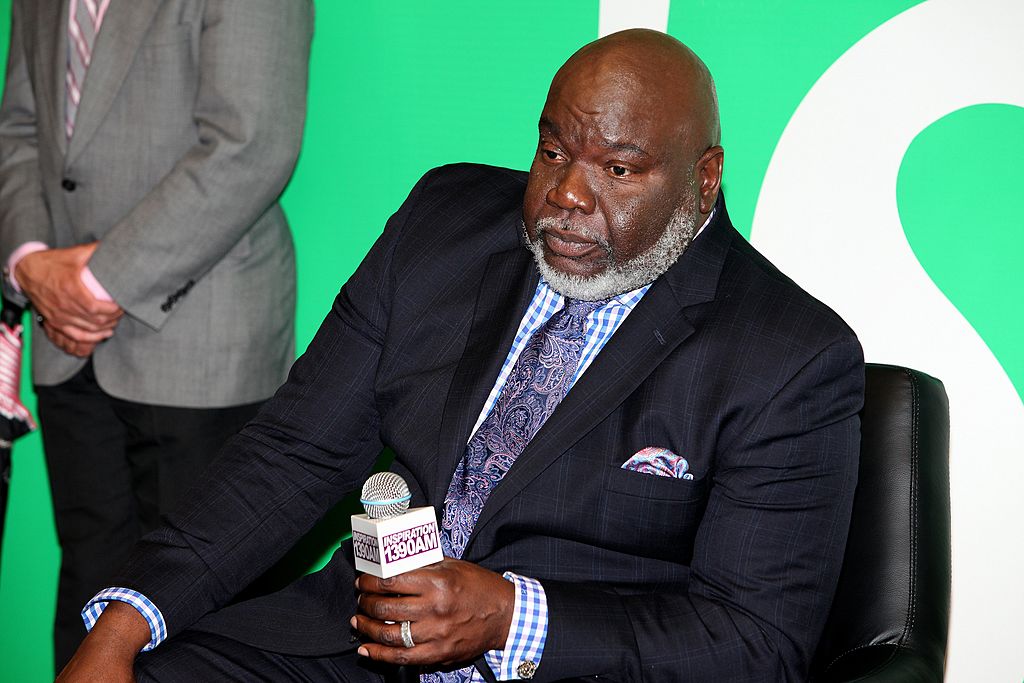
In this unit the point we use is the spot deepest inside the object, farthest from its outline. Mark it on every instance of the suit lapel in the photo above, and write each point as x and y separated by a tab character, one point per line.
123	28
505	291
653	330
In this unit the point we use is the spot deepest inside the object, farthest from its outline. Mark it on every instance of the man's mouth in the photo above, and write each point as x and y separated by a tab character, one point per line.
570	244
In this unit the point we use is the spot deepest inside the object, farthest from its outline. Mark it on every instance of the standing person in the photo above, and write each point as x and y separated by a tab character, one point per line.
143	148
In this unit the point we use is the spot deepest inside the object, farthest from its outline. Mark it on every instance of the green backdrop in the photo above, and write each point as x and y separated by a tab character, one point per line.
400	86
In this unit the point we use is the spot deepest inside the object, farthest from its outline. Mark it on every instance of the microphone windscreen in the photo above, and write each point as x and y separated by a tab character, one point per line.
384	495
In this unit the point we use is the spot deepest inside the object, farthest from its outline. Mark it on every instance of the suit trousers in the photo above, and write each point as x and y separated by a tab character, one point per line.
197	656
115	467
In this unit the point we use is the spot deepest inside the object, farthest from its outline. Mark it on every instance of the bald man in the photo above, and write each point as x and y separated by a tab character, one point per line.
640	436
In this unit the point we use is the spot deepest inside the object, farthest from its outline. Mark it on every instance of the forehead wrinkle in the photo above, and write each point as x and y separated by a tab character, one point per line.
624	147
601	138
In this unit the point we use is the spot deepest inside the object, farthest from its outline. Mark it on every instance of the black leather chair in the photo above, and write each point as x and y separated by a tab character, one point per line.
890	617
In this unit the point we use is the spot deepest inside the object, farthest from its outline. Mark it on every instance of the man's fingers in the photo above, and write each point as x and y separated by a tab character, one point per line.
79	335
368	583
413	582
81	302
389	634
393	607
67	321
102	312
78	329
388	646
67	344
394	655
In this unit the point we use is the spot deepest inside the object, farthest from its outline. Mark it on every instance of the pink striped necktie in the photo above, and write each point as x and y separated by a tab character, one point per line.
84	20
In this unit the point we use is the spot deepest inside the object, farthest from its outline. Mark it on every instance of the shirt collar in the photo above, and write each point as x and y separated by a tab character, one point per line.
706	222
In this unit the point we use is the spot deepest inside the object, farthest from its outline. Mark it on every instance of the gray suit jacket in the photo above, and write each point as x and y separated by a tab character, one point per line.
188	129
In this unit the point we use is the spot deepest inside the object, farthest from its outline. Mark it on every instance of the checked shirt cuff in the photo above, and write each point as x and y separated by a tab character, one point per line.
150	612
526	635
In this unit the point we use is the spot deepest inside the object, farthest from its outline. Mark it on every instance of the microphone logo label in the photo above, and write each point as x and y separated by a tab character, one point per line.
365	547
387	547
410	542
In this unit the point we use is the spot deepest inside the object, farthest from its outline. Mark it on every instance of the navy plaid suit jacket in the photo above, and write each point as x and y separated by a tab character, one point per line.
726	577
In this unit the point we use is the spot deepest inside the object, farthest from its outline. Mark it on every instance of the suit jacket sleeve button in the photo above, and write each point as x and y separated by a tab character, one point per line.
68	184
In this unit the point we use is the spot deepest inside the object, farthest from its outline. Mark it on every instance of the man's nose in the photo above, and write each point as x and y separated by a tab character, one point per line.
572	191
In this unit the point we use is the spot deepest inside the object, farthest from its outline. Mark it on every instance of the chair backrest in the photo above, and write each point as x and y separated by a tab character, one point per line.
890	617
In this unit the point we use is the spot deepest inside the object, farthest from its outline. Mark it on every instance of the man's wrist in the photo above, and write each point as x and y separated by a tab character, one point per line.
522	650
143	606
16	258
123	627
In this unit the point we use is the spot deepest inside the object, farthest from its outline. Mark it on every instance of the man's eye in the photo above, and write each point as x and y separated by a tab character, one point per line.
619	171
550	154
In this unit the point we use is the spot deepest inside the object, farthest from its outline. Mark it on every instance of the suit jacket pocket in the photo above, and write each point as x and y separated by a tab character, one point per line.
652	516
648	485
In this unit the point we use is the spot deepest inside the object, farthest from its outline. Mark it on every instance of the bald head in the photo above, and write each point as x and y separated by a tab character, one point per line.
668	75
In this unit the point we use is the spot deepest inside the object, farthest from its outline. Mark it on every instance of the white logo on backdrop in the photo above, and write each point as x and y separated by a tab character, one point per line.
827	216
616	15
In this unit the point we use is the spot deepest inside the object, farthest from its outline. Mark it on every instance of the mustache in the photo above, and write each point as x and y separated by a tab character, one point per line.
546	224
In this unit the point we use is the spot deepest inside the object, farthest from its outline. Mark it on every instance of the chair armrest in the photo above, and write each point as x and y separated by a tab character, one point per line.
883	664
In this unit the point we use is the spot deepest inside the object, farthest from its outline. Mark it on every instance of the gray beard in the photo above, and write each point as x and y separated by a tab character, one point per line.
617	278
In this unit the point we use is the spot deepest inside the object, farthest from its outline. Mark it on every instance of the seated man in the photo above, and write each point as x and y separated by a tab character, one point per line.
641	436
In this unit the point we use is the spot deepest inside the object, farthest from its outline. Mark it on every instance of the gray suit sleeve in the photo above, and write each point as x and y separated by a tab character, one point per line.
249	115
23	215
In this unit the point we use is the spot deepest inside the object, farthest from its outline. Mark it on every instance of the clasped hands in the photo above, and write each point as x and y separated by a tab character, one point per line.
75	320
458	610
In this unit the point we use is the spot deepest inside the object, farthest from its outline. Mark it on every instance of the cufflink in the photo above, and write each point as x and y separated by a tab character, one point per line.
526	669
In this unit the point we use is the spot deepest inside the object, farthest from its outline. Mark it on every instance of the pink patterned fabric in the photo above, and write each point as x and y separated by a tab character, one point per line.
660	462
84	20
10	381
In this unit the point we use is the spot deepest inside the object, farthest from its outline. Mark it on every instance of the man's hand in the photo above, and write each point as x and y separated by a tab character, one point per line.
51	279
458	610
67	344
108	653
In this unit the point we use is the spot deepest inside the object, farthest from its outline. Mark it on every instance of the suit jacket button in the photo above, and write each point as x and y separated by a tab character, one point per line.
68	184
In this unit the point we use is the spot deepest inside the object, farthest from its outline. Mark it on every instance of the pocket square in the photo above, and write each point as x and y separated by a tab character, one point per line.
660	462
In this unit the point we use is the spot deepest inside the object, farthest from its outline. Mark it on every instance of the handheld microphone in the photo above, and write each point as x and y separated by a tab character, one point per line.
390	538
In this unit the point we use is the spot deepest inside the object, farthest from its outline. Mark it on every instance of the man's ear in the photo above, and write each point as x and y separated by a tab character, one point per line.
709	174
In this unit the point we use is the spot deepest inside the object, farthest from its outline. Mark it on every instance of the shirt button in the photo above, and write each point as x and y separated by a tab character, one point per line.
526	669
68	184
